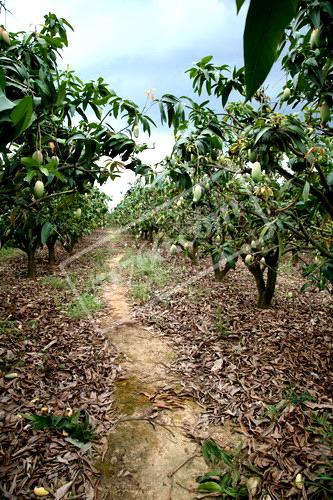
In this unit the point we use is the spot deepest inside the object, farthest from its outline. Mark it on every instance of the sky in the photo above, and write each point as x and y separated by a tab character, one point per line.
140	44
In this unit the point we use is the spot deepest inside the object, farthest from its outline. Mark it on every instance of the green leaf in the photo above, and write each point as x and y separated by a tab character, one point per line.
61	94
2	79
22	115
5	103
28	161
47	229
210	486
265	24
214	454
239	4
306	191
83	446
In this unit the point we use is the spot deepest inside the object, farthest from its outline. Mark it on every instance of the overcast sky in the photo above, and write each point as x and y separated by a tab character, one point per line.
141	44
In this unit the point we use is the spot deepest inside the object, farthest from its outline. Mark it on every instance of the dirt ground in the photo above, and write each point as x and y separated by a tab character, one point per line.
151	454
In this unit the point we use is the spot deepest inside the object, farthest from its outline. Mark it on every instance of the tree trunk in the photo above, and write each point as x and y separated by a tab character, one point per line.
256	271
272	271
31	263
219	274
266	289
193	254
51	248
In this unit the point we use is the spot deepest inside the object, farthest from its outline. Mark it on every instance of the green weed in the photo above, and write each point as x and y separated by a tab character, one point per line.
146	266
33	323
76	426
230	470
221	323
298	398
83	305
8	327
54	282
140	292
272	412
9	252
323	427
195	293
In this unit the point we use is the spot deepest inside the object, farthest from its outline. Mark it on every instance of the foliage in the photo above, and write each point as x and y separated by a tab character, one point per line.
250	182
76	425
232	476
83	305
48	147
264	28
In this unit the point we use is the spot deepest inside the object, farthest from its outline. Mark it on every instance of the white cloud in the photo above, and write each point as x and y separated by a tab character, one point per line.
112	30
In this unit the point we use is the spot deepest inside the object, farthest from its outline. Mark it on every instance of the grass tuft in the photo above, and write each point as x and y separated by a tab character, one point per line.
54	282
9	252
83	305
148	266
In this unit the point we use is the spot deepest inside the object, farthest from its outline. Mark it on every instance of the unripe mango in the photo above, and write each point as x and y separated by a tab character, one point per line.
38	156
325	113
256	171
173	250
197	193
252	156
286	93
299	483
5	37
136	131
56	159
249	259
78	213
39	189
315	38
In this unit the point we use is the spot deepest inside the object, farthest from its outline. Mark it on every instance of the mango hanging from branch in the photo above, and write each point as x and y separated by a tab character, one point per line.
256	171
252	155
286	93
325	113
5	36
197	193
38	156
315	38
39	189
249	259
136	130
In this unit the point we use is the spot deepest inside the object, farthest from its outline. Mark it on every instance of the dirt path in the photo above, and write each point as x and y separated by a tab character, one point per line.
150	441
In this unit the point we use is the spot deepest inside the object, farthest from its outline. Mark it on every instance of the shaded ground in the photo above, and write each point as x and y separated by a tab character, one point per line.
151	453
156	378
268	371
51	360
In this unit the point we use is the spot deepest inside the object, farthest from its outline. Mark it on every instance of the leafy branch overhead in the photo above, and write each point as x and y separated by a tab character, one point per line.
266	22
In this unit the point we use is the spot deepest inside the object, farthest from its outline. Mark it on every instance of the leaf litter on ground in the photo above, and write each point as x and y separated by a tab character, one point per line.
61	364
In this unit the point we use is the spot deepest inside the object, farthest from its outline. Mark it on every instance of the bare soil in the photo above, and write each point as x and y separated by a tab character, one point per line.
151	453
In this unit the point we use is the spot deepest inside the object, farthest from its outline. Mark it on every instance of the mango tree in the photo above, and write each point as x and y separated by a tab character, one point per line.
47	144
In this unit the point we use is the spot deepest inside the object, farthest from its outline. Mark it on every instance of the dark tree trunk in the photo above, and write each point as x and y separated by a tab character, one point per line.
219	274
256	271
51	248
273	263
193	254
266	289
31	252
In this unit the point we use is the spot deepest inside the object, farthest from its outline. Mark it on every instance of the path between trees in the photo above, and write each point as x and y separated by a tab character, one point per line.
150	453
